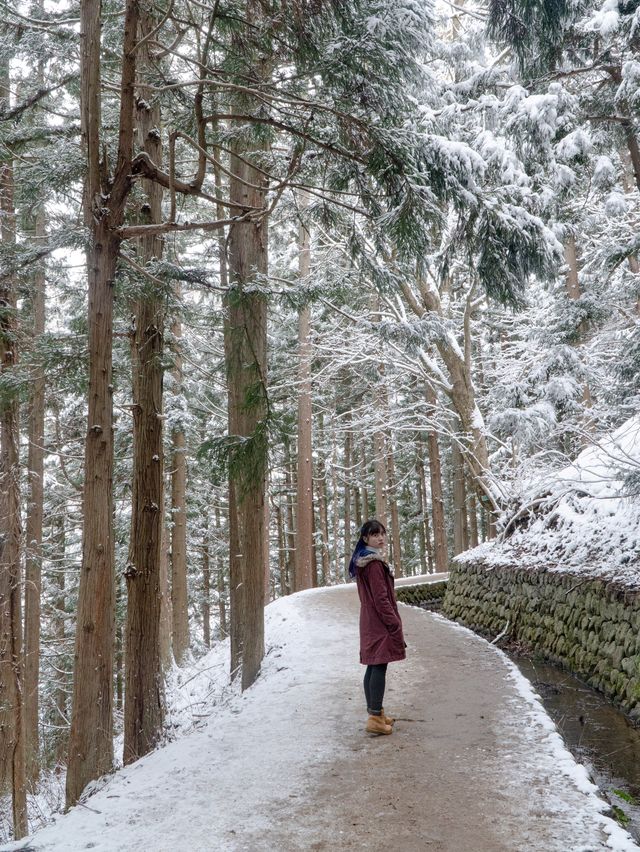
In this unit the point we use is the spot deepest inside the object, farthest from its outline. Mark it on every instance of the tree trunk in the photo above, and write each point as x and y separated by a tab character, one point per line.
304	491
290	537
321	491
461	392
364	476
206	594
572	282
179	594
220	574
426	557
460	526
427	534
314	554
266	544
380	468
396	549
348	439
282	551
627	170
441	556
33	561
246	362
12	710
91	735
357	499
335	512
119	652
571	276
144	688
166	655
473	516
59	633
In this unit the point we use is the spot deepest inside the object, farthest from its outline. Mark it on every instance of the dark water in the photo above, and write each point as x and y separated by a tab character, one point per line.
598	735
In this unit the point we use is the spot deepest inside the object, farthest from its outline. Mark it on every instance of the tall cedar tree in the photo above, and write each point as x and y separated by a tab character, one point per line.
12	718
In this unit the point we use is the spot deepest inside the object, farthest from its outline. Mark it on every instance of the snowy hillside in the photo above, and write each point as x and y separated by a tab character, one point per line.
583	520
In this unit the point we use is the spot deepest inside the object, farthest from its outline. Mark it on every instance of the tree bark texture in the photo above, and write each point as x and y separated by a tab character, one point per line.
290	537
396	548
12	710
91	734
282	550
166	655
571	275
472	513
304	479
246	362
364	490
335	514
33	556
179	592
426	556
574	291
119	652
380	467
144	689
206	594
143	677
460	525
427	534
323	517
440	551
348	442
59	632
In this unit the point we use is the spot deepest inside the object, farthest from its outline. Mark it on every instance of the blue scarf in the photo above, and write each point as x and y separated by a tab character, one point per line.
361	550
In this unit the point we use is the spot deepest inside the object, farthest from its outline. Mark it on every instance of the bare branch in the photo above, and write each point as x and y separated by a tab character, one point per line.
128	232
35	97
144	166
287	128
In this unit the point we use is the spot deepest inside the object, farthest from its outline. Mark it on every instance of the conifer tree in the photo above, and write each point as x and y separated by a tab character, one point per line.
144	692
12	710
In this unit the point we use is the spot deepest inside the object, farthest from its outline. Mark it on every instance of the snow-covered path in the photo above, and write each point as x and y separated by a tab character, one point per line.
474	763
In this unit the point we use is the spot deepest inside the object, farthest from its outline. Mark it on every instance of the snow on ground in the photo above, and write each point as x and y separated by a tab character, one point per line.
222	720
248	758
583	520
193	692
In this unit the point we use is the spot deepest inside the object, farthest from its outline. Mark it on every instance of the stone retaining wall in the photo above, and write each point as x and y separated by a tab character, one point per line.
590	627
427	595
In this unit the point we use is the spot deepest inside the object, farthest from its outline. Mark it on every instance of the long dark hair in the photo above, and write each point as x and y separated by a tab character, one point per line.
361	549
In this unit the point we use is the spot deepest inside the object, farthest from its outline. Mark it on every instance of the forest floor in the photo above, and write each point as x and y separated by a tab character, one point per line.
474	762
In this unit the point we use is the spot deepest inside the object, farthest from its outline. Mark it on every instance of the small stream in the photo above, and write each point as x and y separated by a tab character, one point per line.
598	735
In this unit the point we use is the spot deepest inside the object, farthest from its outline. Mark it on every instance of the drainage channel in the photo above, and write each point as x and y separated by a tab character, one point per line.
598	735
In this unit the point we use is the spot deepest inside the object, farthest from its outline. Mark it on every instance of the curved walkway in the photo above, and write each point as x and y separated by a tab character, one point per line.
474	764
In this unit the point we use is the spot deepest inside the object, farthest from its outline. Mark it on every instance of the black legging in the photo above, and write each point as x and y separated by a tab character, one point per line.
374	683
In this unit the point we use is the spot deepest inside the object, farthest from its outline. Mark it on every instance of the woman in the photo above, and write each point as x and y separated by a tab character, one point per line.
381	637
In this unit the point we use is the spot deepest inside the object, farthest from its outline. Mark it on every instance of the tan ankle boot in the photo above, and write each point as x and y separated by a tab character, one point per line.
377	725
388	720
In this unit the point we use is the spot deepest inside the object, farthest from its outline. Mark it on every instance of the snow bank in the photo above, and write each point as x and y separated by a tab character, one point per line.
584	520
232	763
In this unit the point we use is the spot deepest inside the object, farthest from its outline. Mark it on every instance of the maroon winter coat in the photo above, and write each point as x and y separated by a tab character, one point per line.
381	637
